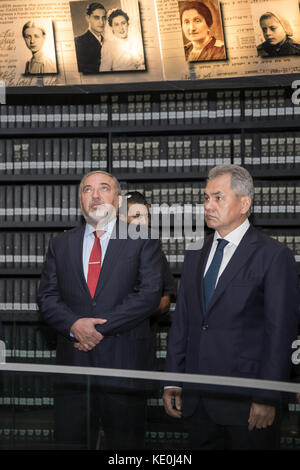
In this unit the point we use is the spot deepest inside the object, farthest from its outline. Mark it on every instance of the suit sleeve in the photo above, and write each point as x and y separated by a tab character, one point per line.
178	335
144	299
281	317
55	312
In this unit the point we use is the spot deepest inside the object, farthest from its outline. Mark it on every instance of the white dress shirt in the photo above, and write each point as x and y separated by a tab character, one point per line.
234	238
88	242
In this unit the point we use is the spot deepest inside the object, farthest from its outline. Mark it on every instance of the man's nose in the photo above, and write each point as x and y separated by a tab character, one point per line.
208	204
96	193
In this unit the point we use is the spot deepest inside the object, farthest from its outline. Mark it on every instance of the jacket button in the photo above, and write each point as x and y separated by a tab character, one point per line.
204	327
94	304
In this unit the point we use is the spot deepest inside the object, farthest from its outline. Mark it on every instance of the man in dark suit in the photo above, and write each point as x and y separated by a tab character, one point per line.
236	316
101	320
88	46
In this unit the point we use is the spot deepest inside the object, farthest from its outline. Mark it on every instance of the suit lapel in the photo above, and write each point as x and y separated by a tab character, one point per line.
114	248
201	268
244	251
75	250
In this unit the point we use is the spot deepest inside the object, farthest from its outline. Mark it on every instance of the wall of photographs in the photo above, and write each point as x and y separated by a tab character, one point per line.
160	142
46	43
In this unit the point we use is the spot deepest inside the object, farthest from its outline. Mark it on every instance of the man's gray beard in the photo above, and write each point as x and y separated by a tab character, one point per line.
100	220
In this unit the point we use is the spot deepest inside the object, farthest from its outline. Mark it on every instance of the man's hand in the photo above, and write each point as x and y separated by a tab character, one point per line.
86	334
172	402
261	416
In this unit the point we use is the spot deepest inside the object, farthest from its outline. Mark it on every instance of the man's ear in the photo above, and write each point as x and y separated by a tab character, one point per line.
246	204
120	200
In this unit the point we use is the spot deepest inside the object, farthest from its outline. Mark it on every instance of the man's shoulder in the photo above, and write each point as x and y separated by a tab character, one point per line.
85	38
64	236
269	243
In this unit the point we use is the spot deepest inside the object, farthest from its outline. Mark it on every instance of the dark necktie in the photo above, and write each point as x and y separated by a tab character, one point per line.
211	276
95	263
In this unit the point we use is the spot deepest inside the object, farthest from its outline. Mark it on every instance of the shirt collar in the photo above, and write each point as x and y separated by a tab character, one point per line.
99	38
236	235
89	229
38	57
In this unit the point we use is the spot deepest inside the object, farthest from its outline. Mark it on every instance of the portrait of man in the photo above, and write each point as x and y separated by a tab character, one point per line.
202	31
275	27
88	44
39	40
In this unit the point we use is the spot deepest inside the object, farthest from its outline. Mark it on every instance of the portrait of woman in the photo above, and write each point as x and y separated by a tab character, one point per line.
199	42
34	36
278	33
122	48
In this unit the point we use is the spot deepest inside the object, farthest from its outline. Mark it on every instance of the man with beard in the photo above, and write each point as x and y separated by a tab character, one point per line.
98	288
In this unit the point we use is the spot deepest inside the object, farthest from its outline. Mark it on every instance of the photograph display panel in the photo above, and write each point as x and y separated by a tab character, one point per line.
202	31
276	27
242	58
69	22
110	39
128	41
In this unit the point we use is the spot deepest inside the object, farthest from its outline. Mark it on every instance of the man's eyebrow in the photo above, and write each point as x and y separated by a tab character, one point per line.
100	184
213	194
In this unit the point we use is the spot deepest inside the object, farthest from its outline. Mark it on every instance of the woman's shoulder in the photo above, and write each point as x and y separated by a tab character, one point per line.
49	65
215	49
218	43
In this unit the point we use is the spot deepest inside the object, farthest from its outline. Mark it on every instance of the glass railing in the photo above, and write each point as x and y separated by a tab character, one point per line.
48	407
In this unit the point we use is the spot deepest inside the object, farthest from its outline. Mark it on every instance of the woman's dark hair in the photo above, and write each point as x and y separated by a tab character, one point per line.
202	9
133	197
116	13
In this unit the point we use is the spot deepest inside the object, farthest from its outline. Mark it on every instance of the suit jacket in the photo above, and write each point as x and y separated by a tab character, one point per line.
88	52
128	291
247	331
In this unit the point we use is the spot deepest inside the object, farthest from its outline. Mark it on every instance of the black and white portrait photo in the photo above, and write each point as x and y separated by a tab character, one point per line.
202	30
108	36
40	47
277	28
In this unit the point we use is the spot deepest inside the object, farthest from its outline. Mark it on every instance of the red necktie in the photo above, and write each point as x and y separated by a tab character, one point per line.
95	263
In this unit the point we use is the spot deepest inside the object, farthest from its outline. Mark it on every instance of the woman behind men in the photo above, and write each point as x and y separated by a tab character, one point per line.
196	21
135	210
122	48
34	37
277	32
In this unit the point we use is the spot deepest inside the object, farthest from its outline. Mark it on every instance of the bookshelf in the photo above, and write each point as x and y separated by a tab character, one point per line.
161	140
